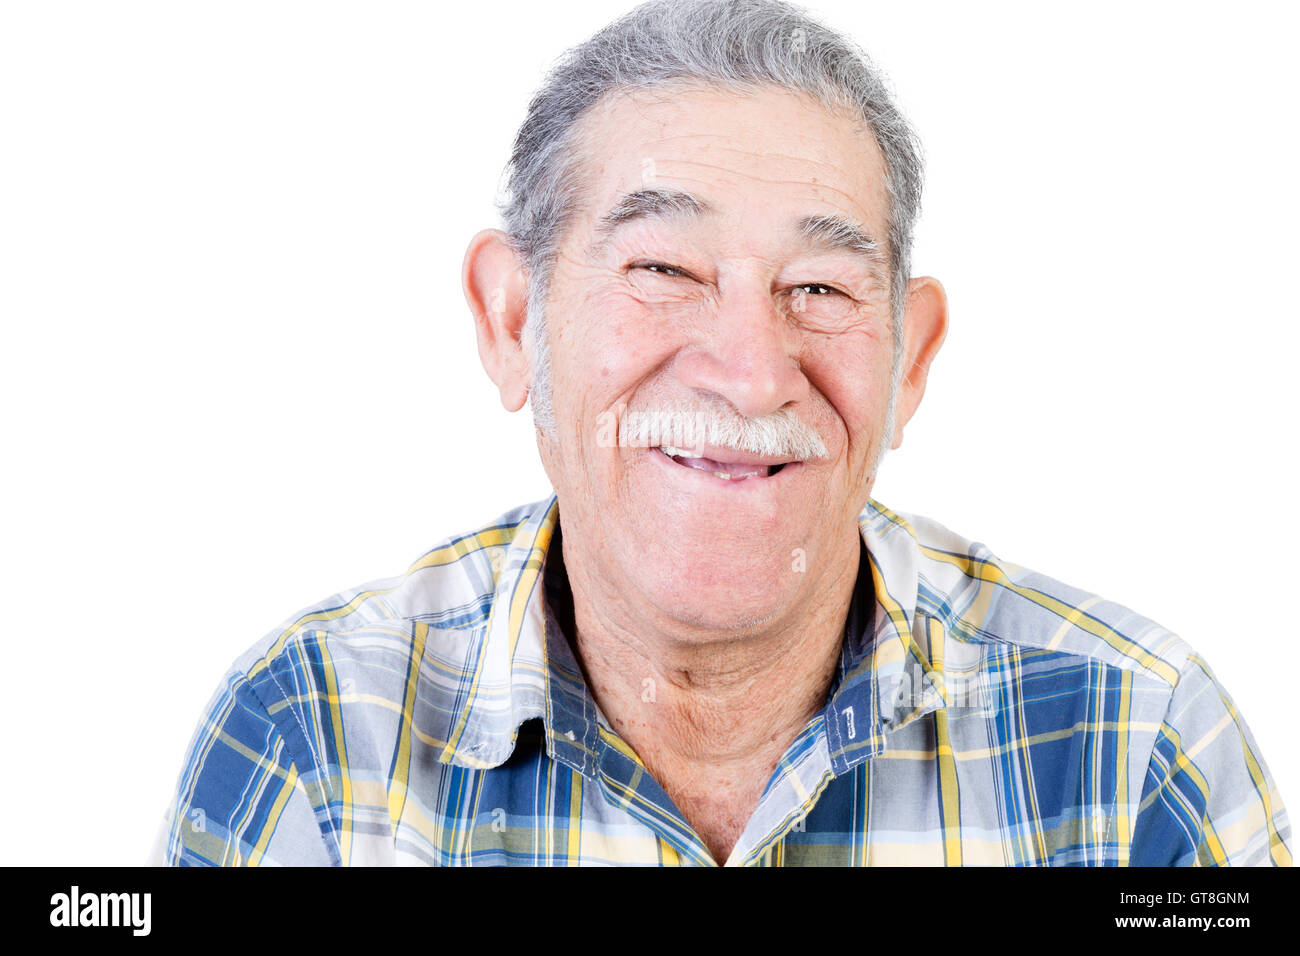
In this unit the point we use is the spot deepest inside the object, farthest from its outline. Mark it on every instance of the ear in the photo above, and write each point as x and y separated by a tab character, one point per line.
495	286
925	325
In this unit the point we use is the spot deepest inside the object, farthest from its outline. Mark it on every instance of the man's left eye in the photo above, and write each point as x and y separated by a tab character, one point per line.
817	288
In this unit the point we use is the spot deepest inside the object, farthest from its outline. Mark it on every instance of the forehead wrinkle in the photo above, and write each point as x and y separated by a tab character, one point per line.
767	156
847	197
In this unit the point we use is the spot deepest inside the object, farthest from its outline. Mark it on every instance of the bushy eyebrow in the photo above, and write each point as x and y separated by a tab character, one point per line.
840	233
829	232
645	204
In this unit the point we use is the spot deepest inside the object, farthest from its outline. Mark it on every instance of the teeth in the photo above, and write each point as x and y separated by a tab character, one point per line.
673	451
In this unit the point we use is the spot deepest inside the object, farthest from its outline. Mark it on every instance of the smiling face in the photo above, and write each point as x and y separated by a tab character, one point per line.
729	264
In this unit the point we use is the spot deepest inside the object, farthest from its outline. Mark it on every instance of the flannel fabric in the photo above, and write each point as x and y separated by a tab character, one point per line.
982	714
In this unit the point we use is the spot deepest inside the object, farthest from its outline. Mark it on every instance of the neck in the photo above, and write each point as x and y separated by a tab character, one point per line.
695	703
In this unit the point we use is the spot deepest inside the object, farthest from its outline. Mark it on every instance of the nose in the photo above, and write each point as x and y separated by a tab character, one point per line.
746	354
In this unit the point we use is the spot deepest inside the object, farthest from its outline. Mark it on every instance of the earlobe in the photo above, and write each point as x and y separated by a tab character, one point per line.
495	286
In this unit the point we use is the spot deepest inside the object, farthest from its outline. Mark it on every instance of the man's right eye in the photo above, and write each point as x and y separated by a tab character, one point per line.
659	268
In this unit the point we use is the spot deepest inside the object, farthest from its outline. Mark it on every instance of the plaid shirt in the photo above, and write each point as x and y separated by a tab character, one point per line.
982	713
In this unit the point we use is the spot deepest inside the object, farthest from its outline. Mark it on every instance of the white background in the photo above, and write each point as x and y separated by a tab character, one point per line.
239	373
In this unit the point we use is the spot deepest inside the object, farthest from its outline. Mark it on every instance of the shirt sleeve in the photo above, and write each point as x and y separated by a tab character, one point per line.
1208	798
240	800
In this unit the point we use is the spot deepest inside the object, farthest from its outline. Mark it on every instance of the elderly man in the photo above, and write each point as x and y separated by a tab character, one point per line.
711	645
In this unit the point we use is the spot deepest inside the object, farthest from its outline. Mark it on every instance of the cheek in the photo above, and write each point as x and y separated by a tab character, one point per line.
611	343
851	372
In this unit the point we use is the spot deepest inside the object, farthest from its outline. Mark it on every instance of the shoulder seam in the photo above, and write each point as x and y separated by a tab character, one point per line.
329	838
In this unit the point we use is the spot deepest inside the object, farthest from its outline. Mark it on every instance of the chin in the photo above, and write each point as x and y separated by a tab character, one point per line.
714	594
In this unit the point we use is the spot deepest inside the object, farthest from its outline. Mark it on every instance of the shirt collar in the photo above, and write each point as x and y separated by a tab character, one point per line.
886	680
883	683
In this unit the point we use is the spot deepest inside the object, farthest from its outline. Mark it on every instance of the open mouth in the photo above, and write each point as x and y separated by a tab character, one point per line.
725	470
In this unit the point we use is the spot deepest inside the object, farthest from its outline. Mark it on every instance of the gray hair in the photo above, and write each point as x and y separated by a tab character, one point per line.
728	43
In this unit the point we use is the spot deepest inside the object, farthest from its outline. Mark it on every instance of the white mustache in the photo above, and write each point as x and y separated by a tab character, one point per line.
782	434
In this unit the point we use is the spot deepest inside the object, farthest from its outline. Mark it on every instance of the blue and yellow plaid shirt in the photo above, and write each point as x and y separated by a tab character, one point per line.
982	713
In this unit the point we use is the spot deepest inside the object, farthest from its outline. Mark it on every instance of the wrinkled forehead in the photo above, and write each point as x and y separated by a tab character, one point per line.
758	159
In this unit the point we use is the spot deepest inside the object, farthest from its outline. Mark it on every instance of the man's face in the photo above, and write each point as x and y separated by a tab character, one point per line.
723	306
